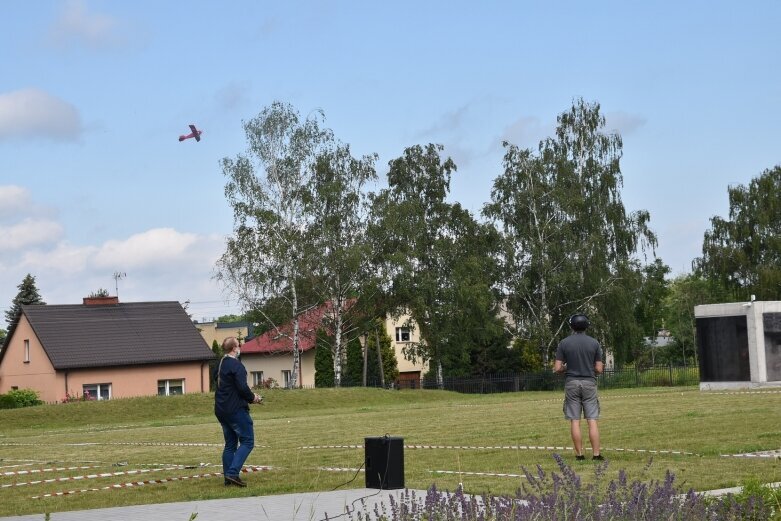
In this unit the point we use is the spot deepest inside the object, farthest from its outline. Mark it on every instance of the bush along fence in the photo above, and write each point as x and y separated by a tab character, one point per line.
659	376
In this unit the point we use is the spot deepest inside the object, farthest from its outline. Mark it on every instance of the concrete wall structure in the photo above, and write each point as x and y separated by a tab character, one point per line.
764	347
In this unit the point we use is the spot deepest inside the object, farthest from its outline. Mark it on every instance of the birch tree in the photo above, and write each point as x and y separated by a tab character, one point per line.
269	188
341	271
568	233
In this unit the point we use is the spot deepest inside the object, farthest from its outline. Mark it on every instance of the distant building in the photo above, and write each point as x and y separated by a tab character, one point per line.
219	331
104	349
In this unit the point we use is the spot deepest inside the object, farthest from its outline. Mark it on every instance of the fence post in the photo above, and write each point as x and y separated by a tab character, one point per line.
671	374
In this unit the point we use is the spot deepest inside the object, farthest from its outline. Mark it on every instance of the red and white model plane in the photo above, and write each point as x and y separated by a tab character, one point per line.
194	133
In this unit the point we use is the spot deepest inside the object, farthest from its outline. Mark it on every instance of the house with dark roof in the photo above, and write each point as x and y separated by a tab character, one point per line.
104	349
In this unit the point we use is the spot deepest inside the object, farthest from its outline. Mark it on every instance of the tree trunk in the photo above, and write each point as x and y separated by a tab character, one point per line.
337	351
440	379
365	356
296	353
379	358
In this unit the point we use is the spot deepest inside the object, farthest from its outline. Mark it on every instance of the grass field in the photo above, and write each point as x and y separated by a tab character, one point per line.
121	436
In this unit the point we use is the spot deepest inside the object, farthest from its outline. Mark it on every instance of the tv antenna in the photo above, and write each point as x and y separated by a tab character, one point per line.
118	275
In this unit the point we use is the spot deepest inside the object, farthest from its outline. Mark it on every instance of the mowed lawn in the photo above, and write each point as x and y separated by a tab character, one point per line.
163	435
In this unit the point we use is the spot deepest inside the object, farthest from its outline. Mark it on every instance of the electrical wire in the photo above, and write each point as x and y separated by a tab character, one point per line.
382	483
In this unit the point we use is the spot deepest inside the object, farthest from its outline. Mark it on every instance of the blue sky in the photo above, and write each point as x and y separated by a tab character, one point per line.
93	95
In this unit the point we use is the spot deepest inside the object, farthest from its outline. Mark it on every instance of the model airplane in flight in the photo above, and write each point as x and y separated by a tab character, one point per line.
194	133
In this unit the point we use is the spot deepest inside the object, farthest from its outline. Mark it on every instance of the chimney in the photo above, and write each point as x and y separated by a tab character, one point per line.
100	301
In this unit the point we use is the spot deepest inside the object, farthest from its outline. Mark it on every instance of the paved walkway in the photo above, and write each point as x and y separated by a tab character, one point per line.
312	506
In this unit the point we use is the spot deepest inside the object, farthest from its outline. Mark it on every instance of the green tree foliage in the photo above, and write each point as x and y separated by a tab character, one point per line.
743	253
28	294
18	398
685	292
324	360
341	273
269	188
569	239
438	259
389	363
353	369
213	363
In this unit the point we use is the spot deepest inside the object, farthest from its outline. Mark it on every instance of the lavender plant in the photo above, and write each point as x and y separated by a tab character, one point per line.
562	496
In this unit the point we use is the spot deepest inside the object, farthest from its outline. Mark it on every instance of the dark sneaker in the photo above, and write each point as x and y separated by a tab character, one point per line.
598	457
234	480
580	458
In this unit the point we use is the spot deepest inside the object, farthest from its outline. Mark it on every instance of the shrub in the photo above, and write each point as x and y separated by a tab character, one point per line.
564	497
19	398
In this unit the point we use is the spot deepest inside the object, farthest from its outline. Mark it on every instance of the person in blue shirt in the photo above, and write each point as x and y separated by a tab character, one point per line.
579	357
231	407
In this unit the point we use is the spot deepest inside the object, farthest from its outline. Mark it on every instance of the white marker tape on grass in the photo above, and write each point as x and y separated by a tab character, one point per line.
102	475
147	482
16	466
503	447
53	469
492	474
340	469
90	476
136	443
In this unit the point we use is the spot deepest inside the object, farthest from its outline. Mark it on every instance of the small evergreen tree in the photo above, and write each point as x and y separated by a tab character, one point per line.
28	294
213	363
353	371
324	360
389	363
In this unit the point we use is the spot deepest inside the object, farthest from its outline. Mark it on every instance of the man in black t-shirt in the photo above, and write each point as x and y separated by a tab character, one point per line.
579	357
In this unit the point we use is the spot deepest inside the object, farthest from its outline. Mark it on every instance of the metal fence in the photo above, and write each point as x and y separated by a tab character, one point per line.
659	376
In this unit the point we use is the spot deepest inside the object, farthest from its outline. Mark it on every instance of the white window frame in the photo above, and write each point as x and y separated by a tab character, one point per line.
401	332
167	386
287	376
257	378
98	388
26	351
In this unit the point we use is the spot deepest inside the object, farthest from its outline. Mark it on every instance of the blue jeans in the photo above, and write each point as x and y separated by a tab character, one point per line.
239	441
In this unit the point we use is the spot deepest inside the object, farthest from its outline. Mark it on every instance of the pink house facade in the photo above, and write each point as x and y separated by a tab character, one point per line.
104	349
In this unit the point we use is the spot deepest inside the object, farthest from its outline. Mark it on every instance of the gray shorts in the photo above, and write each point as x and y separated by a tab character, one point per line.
580	396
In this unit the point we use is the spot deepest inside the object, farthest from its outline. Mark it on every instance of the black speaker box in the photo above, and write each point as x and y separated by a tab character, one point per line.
384	462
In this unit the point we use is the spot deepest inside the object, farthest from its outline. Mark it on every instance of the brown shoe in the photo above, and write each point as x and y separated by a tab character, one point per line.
235	480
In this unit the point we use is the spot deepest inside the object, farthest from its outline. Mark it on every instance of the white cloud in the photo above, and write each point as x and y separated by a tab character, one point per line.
161	264
13	199
623	122
160	246
63	259
76	25
29	232
31	113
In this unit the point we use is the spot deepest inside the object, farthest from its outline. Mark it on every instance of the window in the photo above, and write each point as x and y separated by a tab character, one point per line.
257	378
170	387
402	334
26	351
286	378
97	391
14	387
